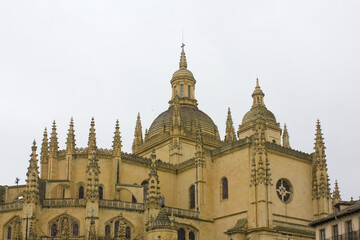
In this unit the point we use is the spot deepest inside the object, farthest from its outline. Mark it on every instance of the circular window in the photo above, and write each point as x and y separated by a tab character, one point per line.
284	190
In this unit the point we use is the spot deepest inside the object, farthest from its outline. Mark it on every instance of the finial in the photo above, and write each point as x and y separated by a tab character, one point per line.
183	63
34	146
257	83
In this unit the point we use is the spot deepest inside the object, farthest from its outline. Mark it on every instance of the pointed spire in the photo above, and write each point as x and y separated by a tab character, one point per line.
336	193
92	136
138	139
54	145
319	140
183	63
117	141
286	141
258	96
230	131
32	181
44	158
70	142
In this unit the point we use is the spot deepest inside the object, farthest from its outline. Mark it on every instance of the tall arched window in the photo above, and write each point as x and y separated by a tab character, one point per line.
9	234
181	234
81	192
116	228
128	233
191	235
107	231
192	196
75	230
224	188
101	192
54	230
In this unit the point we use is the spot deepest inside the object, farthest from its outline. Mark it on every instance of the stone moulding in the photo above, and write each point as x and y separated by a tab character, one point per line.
288	151
182	212
11	206
121	205
68	202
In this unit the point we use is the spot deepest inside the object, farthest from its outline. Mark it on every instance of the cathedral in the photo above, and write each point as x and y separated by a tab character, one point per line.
181	181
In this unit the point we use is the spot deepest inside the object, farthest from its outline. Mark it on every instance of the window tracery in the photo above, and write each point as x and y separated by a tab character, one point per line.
64	225
284	190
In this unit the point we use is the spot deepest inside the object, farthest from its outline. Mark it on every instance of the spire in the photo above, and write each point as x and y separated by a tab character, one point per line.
321	186
138	139
70	143
32	181
258	96
336	193
117	141
286	142
183	63
54	145
44	158
152	197
230	131
92	137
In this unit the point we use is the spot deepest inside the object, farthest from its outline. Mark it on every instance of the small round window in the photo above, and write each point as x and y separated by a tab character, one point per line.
284	190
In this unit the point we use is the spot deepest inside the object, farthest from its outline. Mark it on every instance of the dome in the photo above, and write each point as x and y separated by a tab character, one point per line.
255	112
183	72
191	117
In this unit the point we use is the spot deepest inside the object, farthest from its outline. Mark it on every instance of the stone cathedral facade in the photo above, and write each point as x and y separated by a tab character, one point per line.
181	181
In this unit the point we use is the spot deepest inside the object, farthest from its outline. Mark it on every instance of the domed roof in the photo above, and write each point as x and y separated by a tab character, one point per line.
255	112
191	117
183	72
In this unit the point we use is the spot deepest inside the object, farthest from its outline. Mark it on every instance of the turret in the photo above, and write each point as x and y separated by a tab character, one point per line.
286	141
44	158
230	131
183	83
321	189
138	138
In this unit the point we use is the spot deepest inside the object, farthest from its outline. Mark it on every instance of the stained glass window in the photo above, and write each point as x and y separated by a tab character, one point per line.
192	196
224	188
127	233
101	192
181	234
284	190
81	192
191	235
75	230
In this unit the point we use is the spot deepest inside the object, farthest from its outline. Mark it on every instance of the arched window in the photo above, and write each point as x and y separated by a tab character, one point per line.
101	192
192	196
107	231
127	233
63	193
181	234
75	230
9	234
191	235
189	90
54	230
116	227
81	192
224	188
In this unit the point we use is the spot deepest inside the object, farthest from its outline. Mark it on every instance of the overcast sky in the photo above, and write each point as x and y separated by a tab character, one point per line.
113	59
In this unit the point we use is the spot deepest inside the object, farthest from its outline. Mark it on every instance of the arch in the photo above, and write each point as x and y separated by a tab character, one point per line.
181	234
10	226
224	188
57	224
113	224
127	233
101	192
125	195
192	196
19	196
81	192
191	235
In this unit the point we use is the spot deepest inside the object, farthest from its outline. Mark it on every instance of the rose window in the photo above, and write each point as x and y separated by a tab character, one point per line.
284	190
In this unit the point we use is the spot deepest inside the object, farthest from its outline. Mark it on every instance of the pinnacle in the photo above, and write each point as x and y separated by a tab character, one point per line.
183	63
92	135
34	147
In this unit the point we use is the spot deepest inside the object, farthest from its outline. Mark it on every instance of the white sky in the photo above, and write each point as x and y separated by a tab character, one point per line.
112	59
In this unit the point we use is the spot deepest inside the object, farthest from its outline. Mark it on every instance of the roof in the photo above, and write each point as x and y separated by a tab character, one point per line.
355	207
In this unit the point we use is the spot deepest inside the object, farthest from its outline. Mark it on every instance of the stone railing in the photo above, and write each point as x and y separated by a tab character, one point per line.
11	206
182	212
67	202
121	205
